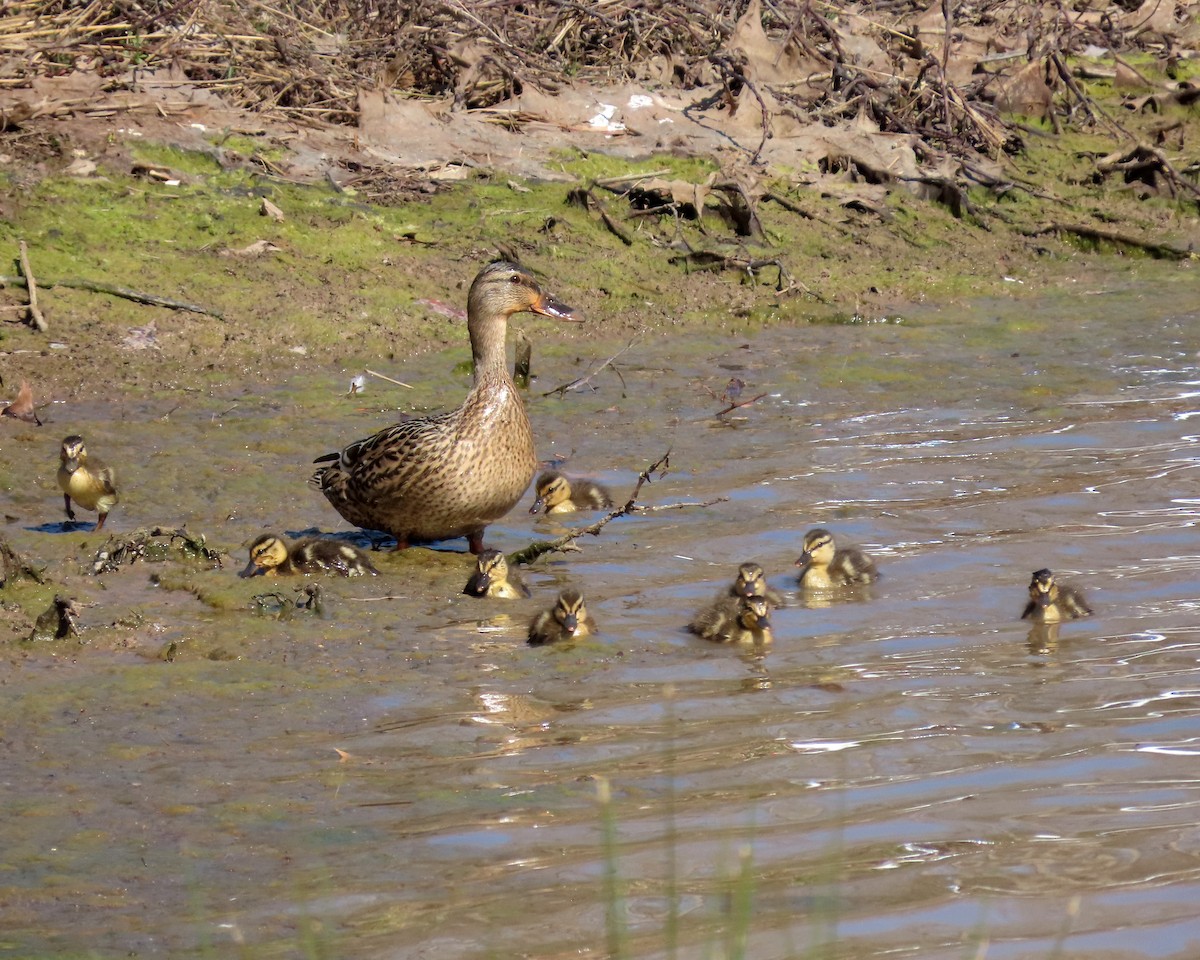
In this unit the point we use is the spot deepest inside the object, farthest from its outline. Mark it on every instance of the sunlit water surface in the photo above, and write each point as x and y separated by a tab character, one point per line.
912	772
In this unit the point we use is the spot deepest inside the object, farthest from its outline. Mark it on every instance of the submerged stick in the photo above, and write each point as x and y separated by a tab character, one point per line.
538	547
381	376
35	312
581	381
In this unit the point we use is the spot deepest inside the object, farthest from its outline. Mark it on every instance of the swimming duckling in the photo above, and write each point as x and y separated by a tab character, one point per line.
450	474
494	578
271	554
752	582
825	567
735	620
567	620
86	480
1050	602
558	494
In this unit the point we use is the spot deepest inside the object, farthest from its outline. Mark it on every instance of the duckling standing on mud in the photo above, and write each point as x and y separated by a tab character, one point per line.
735	620
568	619
1050	602
86	480
450	475
752	582
494	578
559	494
825	567
270	554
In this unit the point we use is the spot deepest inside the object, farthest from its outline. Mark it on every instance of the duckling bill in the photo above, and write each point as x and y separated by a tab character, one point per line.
557	493
751	581
494	578
270	554
86	480
1051	602
568	619
450	475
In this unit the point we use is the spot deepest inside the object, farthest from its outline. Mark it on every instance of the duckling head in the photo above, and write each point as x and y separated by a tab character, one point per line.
73	453
1042	589
749	582
818	547
570	611
552	489
503	288
754	613
267	553
492	567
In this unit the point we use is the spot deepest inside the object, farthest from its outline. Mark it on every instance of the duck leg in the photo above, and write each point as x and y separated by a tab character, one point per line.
67	504
100	522
475	542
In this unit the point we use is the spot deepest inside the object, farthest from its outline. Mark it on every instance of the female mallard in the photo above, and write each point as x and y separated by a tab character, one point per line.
1050	602
493	578
558	494
450	475
86	480
735	620
752	582
825	567
271	554
568	619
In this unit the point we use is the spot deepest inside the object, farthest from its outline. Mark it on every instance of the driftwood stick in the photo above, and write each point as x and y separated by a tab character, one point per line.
614	228
539	547
734	406
94	286
35	312
581	381
381	376
1155	249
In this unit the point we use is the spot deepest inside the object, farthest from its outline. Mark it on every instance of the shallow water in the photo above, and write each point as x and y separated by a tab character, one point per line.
911	772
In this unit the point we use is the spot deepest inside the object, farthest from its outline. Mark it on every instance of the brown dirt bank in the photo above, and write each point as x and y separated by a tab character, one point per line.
738	163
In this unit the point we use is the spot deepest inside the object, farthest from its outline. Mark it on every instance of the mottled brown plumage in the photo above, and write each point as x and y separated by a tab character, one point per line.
494	578
568	619
86	480
560	494
825	567
271	554
450	475
1050	602
734	620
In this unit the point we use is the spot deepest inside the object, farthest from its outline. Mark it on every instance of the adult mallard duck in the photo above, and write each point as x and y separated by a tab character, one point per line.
752	582
825	567
270	553
568	619
559	494
1050	602
735	620
450	475
86	480
494	578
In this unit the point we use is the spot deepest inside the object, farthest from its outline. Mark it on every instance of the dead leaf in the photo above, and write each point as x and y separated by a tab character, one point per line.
256	249
22	407
80	167
268	209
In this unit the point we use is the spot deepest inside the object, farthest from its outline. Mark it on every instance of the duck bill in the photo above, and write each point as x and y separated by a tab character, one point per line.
537	505
547	306
804	559
571	624
70	465
762	622
252	570
1044	600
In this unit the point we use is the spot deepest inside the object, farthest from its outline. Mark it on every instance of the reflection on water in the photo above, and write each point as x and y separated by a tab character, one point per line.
909	768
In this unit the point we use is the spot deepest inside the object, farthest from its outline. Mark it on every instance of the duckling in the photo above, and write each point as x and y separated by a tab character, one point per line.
752	582
825	567
558	494
567	620
494	578
1050	602
86	480
271	554
452	474
735	620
